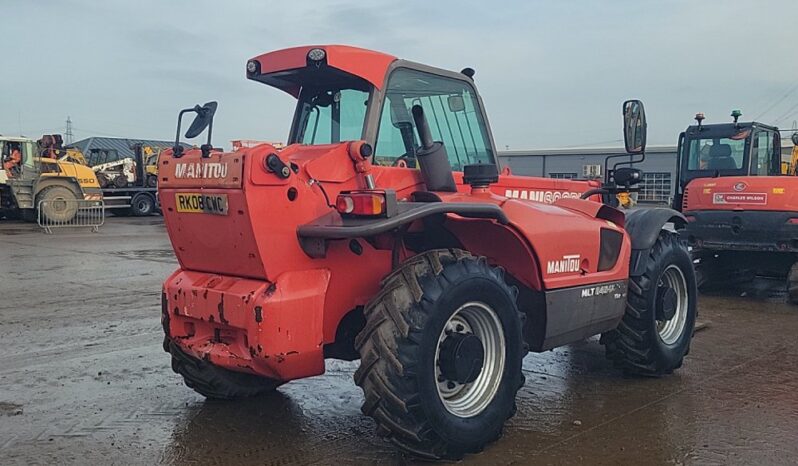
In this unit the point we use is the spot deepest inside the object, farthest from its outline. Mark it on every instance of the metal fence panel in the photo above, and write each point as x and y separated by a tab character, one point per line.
75	213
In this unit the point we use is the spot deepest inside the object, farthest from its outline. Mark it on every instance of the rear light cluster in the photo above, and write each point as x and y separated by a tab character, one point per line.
793	221
367	203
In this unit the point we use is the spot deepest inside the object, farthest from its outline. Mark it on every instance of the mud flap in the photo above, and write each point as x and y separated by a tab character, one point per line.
643	227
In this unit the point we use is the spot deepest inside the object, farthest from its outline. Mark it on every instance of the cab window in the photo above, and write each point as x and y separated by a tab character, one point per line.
331	115
452	111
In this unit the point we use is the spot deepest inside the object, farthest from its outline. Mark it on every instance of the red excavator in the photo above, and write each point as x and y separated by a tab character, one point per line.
742	212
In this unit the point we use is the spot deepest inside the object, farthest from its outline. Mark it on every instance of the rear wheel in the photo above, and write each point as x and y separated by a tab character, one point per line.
58	204
152	181
656	330
215	382
441	355
142	205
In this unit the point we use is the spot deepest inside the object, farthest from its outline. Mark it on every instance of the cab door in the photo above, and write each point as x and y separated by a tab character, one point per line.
454	113
765	153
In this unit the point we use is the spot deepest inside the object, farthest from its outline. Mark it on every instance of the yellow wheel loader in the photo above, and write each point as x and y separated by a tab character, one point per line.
27	178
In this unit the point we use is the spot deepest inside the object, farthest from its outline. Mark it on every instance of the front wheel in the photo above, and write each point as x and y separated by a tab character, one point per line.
58	204
655	333
441	355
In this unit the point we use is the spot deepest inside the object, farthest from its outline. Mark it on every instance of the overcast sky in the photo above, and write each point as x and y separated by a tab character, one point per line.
552	73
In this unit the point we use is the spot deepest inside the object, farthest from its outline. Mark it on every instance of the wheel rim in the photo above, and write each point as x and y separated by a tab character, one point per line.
672	286
58	204
143	206
471	397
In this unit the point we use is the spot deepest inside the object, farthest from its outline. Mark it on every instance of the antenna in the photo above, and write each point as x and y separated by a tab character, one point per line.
69	137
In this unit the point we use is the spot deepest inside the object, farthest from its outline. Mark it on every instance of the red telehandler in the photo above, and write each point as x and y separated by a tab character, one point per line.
385	232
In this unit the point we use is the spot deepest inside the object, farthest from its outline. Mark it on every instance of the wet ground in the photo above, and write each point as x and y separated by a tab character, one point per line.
83	380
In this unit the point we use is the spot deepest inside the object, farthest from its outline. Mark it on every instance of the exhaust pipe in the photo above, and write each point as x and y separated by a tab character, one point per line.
435	167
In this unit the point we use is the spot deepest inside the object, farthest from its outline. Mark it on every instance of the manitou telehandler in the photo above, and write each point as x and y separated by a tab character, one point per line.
385	232
742	212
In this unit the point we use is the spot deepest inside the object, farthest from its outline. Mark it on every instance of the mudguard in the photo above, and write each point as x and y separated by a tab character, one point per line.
643	227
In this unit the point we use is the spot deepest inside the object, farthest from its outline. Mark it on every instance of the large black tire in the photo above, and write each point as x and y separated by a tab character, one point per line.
57	207
142	205
120	181
399	344
215	382
103	180
152	181
637	346
792	284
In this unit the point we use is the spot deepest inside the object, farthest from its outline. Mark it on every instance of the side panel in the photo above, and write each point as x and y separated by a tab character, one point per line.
763	193
580	312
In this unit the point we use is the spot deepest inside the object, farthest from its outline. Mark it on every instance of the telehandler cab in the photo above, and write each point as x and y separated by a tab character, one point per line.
384	232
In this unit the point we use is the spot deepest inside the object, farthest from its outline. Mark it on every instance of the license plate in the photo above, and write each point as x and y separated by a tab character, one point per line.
201	203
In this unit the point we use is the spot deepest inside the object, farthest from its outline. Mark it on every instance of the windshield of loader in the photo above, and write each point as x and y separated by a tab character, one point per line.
329	116
718	153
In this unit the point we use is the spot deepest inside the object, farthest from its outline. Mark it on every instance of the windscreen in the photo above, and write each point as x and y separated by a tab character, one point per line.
726	153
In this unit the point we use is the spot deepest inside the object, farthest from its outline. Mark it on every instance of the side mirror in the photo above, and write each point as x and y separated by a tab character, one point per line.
634	126
202	120
627	176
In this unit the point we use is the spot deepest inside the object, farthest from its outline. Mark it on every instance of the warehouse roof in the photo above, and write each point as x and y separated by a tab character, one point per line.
121	145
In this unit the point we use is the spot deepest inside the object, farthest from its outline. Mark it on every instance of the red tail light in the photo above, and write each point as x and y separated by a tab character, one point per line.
366	203
793	221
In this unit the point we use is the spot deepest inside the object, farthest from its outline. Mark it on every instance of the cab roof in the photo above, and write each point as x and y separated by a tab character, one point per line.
284	68
730	127
15	139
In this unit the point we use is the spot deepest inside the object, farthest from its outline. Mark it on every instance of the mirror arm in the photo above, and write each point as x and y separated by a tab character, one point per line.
177	149
632	161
